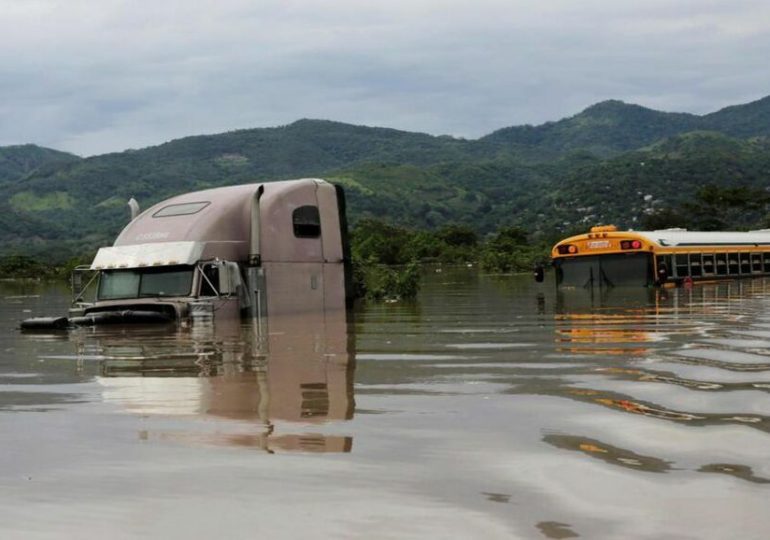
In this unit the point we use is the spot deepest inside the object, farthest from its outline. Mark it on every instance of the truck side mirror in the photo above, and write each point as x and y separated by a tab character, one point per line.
225	285
229	277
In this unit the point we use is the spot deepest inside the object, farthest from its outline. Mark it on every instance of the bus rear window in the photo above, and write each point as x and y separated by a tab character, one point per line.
613	270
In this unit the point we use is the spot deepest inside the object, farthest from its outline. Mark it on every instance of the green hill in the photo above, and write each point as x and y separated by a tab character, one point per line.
604	129
625	189
612	127
88	196
574	192
613	162
748	120
16	162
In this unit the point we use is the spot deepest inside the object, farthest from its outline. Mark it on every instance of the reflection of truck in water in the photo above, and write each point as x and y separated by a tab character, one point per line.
224	384
215	253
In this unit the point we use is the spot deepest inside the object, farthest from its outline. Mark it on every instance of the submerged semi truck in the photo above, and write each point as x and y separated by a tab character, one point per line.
249	250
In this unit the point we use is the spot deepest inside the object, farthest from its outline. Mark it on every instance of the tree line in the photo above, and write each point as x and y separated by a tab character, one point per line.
386	258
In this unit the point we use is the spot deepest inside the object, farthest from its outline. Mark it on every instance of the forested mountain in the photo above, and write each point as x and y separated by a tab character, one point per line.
17	162
612	127
749	120
613	162
604	129
625	189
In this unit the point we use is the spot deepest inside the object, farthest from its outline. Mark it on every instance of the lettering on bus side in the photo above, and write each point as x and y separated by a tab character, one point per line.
598	244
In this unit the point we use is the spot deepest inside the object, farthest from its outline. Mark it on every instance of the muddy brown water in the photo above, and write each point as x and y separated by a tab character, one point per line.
492	407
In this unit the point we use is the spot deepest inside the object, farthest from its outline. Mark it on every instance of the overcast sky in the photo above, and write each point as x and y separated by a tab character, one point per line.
98	76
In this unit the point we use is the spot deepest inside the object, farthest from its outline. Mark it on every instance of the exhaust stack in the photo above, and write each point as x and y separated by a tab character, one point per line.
134	206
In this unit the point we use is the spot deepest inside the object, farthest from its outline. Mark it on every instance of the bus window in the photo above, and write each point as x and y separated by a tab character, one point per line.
721	260
665	269
695	266
732	263
708	264
745	263
634	269
756	262
682	267
766	260
577	272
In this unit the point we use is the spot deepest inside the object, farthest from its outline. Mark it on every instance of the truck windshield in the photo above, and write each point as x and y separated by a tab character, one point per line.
145	282
627	270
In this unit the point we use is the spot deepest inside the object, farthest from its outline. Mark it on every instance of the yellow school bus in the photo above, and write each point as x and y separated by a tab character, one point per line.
607	257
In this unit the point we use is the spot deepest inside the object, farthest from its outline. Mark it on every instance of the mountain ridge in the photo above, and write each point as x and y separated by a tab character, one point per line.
17	161
519	175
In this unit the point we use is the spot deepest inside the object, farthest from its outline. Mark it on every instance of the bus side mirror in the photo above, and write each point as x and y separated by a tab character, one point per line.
662	273
539	274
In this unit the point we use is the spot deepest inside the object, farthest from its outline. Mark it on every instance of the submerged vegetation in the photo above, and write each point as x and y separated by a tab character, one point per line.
387	258
23	267
510	249
379	282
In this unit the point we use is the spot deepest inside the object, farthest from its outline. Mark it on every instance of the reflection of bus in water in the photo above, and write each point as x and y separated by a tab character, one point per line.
613	322
606	257
632	321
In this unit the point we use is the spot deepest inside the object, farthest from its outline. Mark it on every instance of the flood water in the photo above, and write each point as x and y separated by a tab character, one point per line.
492	407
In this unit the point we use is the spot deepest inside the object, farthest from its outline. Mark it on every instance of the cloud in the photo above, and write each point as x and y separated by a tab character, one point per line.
92	77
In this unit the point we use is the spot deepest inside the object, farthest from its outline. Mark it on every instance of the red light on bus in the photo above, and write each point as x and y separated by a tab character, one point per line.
567	249
630	244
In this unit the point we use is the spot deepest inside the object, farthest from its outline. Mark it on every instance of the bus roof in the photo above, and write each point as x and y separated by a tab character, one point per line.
683	237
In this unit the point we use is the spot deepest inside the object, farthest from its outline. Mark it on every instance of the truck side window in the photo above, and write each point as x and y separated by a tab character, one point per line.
307	222
212	273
